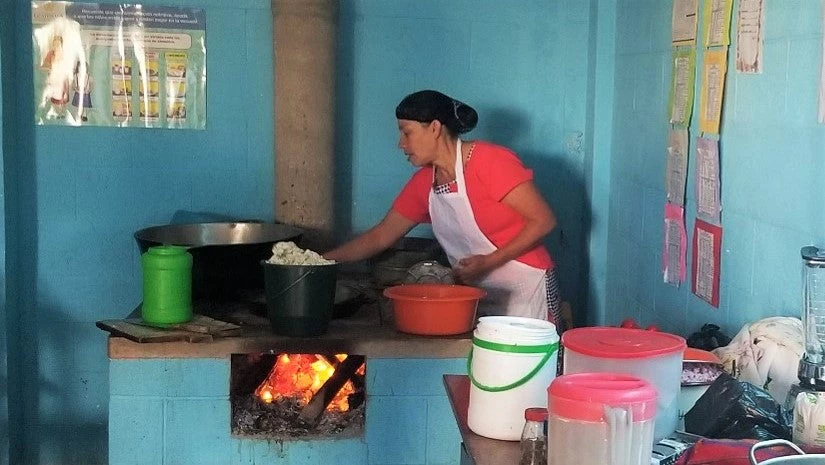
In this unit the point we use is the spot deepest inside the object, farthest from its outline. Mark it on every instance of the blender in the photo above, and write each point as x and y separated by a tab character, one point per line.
812	366
807	398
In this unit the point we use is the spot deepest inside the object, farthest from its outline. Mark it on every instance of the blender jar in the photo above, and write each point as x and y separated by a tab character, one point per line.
812	365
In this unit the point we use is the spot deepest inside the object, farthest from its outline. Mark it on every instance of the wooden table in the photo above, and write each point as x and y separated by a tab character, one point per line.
475	449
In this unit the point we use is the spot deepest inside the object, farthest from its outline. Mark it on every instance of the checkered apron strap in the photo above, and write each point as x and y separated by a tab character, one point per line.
553	298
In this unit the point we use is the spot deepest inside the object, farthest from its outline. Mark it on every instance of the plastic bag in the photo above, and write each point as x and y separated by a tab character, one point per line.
708	338
732	409
766	353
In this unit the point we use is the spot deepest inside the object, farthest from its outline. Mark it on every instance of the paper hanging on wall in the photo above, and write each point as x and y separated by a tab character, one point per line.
677	161
99	64
674	266
716	22
712	94
749	40
681	85
707	252
706	184
684	21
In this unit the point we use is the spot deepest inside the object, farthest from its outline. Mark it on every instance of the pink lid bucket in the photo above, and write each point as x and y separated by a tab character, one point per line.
624	343
583	396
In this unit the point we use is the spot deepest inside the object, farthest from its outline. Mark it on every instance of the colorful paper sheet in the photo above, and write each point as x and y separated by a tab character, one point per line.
749	41
706	184
684	21
677	161
707	252
711	96
716	22
674	266
681	86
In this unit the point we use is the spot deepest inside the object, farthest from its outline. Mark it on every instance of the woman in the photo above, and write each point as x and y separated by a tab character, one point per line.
484	208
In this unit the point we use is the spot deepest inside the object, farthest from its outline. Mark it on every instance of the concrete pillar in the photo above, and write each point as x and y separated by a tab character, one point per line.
305	37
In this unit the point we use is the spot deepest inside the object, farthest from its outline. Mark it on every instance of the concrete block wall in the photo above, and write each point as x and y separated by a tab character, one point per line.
771	165
177	411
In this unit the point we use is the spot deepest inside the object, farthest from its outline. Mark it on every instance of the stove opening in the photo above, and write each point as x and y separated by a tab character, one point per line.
297	396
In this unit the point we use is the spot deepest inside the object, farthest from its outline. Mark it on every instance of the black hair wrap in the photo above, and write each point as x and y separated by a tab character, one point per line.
426	106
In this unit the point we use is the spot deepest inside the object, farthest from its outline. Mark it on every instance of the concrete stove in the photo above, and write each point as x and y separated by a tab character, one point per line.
170	402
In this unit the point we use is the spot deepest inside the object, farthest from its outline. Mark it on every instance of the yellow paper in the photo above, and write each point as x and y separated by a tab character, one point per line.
711	96
716	19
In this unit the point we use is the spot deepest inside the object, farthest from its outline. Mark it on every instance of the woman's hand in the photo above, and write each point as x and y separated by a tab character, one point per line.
539	220
471	268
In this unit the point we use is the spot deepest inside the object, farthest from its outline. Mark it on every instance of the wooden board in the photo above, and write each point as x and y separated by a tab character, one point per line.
198	324
201	329
140	333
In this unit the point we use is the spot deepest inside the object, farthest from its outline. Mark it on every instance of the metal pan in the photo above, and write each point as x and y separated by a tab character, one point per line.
226	256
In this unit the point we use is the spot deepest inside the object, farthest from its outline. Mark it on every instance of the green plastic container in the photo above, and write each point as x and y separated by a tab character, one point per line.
299	298
167	285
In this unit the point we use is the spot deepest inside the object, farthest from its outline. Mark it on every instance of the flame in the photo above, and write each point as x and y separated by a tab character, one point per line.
301	376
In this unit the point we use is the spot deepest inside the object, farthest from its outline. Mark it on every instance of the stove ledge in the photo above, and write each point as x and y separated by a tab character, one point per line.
381	342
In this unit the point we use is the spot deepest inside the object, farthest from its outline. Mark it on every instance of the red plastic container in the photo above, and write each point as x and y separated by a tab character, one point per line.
434	309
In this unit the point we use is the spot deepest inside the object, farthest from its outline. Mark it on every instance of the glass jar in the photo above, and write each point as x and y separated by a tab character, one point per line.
533	437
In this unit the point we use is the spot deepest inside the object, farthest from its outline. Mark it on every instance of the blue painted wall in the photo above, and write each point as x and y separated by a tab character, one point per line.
10	360
599	148
771	161
4	309
523	64
82	192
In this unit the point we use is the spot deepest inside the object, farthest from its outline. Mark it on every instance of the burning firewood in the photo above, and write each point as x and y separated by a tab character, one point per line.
311	413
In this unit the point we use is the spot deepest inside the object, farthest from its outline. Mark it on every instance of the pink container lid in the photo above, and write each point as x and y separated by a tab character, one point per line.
583	396
607	342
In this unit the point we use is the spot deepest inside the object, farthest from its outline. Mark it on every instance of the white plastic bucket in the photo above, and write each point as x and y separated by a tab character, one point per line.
511	364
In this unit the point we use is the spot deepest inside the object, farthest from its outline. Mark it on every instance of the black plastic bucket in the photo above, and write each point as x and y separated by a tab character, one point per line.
299	298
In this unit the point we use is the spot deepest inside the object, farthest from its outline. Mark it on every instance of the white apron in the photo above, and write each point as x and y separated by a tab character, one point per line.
515	288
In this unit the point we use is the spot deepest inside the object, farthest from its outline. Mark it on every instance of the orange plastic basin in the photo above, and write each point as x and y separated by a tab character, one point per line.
434	309
699	355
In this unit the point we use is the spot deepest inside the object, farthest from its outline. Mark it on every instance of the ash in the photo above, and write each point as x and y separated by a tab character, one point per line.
252	417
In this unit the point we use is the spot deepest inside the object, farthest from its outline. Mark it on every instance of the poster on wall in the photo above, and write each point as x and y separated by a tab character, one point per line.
674	264
706	184
681	86
684	21
119	65
714	68
677	161
749	41
716	22
707	252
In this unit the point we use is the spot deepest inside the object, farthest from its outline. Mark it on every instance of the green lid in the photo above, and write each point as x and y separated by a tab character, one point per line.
167	250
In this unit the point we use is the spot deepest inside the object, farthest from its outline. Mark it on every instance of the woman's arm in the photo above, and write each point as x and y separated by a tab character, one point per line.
377	239
539	220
